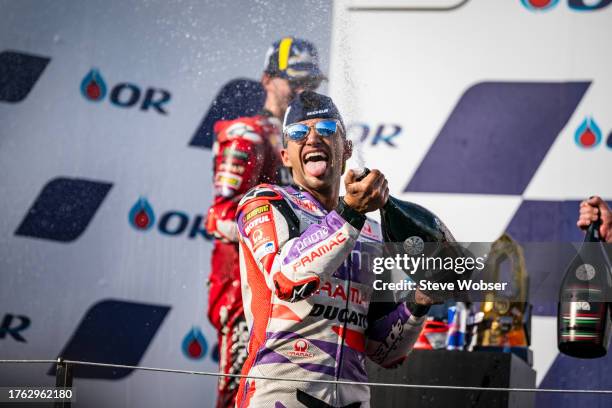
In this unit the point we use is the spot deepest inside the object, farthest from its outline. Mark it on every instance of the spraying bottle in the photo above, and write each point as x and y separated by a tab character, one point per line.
416	231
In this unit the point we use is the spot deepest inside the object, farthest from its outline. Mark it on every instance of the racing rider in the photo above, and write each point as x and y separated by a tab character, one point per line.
247	152
308	300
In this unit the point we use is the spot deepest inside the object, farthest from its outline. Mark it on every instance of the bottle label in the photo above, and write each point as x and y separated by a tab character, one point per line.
581	321
585	272
414	245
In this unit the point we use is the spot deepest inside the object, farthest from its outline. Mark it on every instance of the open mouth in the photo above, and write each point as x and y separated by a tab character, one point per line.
315	163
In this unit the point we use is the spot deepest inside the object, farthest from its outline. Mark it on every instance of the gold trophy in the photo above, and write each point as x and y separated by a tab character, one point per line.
507	316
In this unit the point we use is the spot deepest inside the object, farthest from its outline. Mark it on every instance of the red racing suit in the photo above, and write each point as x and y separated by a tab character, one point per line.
309	303
246	153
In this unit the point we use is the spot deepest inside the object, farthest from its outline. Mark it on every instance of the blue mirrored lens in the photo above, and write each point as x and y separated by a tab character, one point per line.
297	131
326	127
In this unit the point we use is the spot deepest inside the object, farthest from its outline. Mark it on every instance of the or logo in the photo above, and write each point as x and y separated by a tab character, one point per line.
539	5
381	133
588	134
124	94
588	5
575	5
141	215
63	209
171	223
194	344
113	332
13	327
19	72
93	86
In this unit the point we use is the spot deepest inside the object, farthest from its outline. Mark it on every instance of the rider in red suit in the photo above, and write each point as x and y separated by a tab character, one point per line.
247	153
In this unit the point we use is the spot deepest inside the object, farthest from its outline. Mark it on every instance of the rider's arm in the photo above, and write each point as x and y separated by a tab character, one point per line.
238	164
393	328
294	263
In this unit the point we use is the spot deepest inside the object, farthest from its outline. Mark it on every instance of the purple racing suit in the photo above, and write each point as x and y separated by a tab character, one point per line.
308	303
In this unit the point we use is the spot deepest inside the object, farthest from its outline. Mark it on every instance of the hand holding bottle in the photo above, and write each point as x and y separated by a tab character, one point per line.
366	194
590	211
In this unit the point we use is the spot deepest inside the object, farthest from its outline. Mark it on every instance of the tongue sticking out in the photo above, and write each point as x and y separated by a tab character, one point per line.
315	168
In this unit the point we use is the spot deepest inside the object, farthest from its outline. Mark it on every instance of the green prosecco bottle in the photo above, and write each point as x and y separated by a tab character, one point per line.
583	316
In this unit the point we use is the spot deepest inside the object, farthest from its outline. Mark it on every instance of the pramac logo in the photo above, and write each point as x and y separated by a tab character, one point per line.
374	135
588	134
141	215
300	349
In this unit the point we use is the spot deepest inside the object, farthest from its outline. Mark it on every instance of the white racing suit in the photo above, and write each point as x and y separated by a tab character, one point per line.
307	300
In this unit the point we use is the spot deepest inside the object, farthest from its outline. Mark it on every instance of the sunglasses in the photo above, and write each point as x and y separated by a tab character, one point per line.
299	131
309	84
